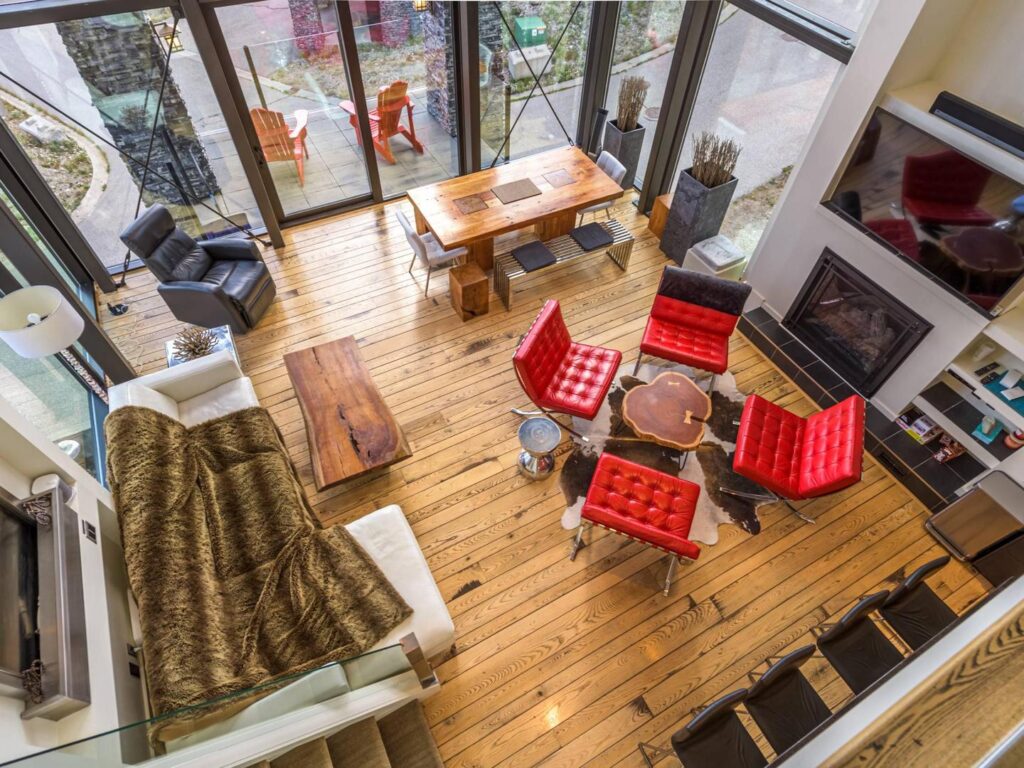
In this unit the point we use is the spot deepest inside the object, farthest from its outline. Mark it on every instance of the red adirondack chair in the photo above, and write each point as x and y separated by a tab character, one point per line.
279	142
386	119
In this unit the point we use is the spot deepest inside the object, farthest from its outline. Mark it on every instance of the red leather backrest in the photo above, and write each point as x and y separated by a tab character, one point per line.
695	316
833	446
945	177
542	351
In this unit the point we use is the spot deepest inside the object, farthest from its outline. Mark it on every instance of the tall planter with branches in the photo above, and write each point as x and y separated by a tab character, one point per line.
702	196
624	136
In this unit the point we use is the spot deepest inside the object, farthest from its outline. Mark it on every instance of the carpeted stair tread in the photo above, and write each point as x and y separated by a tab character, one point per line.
312	754
407	738
359	746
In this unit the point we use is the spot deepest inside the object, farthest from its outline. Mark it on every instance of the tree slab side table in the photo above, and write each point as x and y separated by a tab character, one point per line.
670	411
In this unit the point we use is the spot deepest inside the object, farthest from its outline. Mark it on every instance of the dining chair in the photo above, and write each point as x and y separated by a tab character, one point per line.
716	738
784	704
914	611
616	171
795	458
426	248
278	141
856	648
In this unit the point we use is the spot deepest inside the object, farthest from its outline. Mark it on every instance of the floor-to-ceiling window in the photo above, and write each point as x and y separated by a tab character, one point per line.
764	89
532	62
103	112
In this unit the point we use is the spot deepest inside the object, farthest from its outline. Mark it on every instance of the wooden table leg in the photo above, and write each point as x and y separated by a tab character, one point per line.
421	223
555	226
482	252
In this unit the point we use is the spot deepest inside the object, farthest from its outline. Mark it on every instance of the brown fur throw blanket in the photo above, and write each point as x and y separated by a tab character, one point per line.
236	581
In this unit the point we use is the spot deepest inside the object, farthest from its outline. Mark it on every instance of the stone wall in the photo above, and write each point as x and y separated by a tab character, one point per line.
122	64
439	51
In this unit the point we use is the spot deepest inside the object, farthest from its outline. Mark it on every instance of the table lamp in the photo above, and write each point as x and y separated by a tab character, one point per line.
38	321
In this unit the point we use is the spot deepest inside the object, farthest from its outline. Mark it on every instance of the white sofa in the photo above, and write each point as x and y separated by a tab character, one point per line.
213	386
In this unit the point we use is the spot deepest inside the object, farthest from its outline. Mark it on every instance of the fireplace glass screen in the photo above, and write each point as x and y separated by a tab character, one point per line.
859	329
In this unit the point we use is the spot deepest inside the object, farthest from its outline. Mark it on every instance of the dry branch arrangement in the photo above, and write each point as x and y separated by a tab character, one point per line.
632	93
714	159
194	342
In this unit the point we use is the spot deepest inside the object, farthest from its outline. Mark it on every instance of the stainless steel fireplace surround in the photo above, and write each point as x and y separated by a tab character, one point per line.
43	653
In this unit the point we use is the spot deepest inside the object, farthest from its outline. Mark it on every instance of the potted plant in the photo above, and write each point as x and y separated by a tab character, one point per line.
702	195
624	136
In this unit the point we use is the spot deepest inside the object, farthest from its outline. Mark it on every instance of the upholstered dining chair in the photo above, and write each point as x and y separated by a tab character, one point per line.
691	320
944	188
914	611
616	171
716	738
560	375
796	458
642	504
784	704
856	648
426	249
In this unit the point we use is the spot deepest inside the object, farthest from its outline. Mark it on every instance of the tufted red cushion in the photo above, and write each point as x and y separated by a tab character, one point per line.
944	188
900	234
559	374
644	504
800	458
689	334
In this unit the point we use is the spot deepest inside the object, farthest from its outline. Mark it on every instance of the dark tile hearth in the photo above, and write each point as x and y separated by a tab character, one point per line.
934	484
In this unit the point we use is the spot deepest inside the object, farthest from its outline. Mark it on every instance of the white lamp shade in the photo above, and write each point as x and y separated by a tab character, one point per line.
38	321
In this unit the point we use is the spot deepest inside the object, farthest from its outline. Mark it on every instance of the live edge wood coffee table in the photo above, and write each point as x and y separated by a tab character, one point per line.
350	428
671	411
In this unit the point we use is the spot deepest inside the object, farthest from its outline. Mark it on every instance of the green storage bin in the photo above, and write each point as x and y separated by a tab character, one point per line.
530	30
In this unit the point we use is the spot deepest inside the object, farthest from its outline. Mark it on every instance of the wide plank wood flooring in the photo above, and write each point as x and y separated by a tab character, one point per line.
556	663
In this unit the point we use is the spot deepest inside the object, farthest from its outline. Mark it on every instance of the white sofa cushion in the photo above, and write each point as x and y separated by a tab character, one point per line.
134	393
388	539
235	395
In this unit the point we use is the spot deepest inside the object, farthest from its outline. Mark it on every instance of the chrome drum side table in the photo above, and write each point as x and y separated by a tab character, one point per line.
539	436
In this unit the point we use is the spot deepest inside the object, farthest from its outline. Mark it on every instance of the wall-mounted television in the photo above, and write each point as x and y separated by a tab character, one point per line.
956	220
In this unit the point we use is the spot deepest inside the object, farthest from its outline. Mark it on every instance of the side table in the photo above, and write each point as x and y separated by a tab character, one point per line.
468	286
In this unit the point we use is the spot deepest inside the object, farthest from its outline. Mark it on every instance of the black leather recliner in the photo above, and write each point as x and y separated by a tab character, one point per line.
220	282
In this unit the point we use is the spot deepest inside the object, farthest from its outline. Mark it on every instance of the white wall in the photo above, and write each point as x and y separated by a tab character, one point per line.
801	228
25	453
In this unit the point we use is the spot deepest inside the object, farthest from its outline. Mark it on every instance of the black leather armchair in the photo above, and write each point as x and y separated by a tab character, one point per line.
220	282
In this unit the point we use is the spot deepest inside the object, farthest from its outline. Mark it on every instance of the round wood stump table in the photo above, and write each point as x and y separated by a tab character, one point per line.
670	411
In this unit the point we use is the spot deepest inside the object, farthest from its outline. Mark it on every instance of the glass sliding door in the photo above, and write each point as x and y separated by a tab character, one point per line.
532	58
103	112
764	89
295	83
407	61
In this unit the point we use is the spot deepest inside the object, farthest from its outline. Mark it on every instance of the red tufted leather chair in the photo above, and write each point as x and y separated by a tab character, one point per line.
944	188
646	505
557	373
798	458
900	234
692	319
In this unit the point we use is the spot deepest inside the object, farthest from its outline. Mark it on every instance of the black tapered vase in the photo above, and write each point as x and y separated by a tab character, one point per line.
696	214
625	147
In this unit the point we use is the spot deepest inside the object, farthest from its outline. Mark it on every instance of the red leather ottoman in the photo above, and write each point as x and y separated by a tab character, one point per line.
646	505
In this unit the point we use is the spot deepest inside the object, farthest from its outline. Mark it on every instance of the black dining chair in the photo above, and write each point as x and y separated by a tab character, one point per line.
856	648
717	739
784	704
914	611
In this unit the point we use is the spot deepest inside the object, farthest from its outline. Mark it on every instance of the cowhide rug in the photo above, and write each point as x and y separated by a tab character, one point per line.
709	465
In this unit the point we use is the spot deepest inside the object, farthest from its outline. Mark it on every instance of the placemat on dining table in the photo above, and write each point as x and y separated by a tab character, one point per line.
515	190
559	178
470	204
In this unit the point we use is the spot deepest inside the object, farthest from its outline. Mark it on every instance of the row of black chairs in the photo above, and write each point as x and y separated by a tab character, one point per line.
785	705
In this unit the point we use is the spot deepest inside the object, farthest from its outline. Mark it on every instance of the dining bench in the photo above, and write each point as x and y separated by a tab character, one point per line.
565	250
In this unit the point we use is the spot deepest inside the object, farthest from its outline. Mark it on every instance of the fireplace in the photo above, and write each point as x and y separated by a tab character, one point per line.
855	326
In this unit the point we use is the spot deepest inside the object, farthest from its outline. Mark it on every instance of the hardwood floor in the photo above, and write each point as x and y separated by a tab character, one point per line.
557	663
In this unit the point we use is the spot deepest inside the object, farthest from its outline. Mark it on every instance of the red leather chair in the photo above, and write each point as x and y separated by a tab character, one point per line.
692	319
646	505
944	188
900	234
797	458
559	374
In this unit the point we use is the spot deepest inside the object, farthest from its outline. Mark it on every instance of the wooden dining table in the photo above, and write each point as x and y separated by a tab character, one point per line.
567	179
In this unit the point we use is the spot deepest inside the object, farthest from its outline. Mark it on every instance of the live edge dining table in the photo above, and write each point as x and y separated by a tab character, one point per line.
568	181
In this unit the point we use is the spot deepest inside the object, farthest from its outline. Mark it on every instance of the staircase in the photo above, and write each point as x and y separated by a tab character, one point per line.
400	739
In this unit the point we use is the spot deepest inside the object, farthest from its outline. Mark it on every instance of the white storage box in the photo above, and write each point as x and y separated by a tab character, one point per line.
716	256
